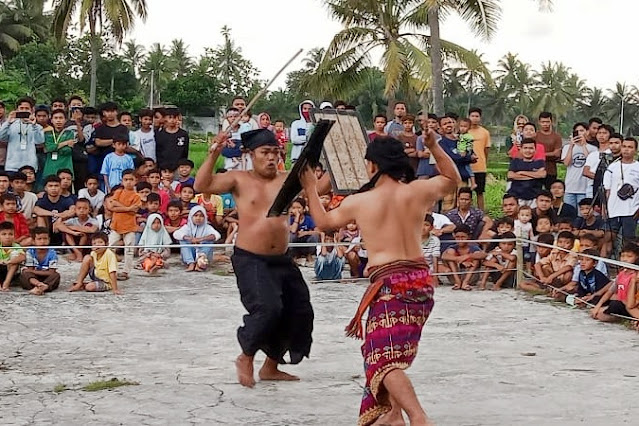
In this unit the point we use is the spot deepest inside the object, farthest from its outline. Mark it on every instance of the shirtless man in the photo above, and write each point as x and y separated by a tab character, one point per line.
272	289
390	215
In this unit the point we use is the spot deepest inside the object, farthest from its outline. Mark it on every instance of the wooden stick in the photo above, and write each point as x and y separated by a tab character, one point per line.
263	90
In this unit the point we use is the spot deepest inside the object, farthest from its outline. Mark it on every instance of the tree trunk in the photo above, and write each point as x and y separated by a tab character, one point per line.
1	62
437	64
95	51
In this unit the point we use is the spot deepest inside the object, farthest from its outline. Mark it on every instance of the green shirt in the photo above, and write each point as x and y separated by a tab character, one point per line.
57	159
6	254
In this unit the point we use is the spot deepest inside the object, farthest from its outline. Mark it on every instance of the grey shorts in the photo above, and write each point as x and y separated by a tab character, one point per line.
100	285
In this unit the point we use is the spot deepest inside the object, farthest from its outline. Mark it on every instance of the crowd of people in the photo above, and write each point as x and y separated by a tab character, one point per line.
80	177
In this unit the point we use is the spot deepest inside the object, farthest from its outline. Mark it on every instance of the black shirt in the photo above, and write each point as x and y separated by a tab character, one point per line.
171	147
580	224
525	189
105	131
566	210
592	282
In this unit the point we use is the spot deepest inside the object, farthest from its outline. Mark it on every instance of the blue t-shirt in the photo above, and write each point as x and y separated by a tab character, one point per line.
50	261
450	147
592	282
228	201
525	189
306	224
114	165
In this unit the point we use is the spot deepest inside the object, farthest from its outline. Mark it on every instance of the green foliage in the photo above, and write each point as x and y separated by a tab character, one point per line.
59	388
107	384
196	93
11	87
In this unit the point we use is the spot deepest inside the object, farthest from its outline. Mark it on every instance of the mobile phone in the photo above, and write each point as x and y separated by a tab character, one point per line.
575	133
23	114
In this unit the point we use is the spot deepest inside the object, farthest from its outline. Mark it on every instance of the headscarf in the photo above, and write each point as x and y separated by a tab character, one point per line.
193	230
151	238
388	153
259	121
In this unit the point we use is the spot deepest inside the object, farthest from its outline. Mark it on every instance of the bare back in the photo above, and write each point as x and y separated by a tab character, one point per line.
390	218
254	196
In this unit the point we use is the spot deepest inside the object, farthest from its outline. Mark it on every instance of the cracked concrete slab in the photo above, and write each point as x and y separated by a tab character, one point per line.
175	335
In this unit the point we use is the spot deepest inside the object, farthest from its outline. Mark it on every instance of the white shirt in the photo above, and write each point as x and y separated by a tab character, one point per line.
523	230
612	181
576	182
440	220
96	201
146	143
28	201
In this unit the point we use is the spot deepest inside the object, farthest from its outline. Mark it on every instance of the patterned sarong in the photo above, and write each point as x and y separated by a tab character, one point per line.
400	297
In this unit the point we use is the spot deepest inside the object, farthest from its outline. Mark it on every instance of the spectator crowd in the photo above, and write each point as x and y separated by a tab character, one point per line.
83	178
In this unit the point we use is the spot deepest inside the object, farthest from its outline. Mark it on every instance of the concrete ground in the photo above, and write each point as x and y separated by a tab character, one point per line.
485	359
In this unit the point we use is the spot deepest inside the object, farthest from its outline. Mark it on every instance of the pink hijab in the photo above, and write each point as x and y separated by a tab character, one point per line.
259	121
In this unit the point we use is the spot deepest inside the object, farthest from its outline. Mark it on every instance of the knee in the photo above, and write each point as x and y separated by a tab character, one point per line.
87	260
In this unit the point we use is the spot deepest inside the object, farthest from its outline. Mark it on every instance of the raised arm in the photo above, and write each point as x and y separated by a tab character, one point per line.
326	221
206	180
446	182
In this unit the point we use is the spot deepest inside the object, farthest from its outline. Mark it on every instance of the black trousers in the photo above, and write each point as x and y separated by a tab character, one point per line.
280	315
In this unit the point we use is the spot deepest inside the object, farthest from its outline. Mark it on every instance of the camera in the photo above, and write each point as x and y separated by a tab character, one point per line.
607	157
23	114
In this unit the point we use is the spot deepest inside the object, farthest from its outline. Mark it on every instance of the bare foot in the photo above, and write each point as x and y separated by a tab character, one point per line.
392	418
76	287
71	257
244	368
269	371
191	267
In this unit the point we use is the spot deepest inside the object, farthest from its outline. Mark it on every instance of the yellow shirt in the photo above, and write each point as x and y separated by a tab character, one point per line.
105	265
481	141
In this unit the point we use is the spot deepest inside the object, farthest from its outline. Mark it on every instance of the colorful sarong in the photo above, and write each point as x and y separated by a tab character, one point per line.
400	297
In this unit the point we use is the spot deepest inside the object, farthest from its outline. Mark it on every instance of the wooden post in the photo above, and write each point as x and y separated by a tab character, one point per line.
520	261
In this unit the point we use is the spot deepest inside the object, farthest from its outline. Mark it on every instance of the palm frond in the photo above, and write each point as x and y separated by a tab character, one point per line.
482	15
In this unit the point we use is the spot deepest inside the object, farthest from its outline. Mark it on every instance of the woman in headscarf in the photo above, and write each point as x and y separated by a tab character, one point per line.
196	232
264	121
154	236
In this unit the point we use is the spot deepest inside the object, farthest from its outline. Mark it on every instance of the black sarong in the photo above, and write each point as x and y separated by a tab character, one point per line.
280	315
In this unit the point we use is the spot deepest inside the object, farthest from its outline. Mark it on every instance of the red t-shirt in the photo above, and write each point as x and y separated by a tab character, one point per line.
19	222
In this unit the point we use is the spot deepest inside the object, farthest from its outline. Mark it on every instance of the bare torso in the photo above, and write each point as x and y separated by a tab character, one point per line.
390	218
257	233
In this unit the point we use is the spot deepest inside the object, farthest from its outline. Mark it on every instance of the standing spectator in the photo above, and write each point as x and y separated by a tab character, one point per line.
621	182
603	156
526	174
431	247
574	157
448	143
426	166
529	132
552	144
561	209
58	145
466	214
281	134
125	203
82	130
116	162
300	129
593	128
465	147
172	142
481	148
22	136
379	122
395	127
40	274
92	192
517	135
409	139
58	103
145	135
264	121
158	118
101	142
239	103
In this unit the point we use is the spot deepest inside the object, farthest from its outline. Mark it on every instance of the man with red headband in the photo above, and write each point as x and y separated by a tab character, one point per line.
400	296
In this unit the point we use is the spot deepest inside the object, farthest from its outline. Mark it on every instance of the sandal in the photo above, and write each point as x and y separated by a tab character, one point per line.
466	287
457	287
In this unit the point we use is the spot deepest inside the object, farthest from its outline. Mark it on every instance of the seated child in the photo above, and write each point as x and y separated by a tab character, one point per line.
40	274
166	181
503	225
617	295
101	266
197	232
155	234
214	207
174	219
185	166
587	241
154	179
565	224
347	235
463	259
587	223
555	269
92	193
431	247
503	259
26	200
11	255
540	253
592	284
186	198
330	259
78	230
10	213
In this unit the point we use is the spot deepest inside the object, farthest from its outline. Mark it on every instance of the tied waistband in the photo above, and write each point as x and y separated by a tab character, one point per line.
393	273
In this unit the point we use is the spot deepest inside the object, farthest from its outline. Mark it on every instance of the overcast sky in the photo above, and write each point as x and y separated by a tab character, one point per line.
596	39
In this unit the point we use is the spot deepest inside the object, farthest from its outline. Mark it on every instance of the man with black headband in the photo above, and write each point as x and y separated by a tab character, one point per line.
272	289
390	213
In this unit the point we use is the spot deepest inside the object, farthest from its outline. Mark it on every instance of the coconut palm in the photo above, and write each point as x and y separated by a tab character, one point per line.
557	89
119	16
621	107
155	72
234	72
133	55
180	62
594	104
475	78
12	33
389	25
516	79
31	14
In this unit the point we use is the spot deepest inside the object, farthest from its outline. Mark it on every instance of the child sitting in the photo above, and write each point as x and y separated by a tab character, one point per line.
214	207
197	232
555	269
347	235
92	193
618	293
592	283
11	255
503	259
524	230
10	213
186	196
40	274
101	266
78	229
185	166
330	259
26	200
431	247
152	256
463	259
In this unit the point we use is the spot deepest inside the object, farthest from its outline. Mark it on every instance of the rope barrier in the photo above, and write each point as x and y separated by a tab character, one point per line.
434	274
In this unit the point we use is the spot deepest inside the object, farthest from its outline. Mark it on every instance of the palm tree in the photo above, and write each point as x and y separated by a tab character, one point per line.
313	59
155	72
179	60
515	78
133	55
31	14
119	16
557	89
621	106
476	77
392	26
234	72
594	105
11	32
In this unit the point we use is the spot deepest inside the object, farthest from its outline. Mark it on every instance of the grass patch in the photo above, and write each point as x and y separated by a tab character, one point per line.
107	384
60	388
